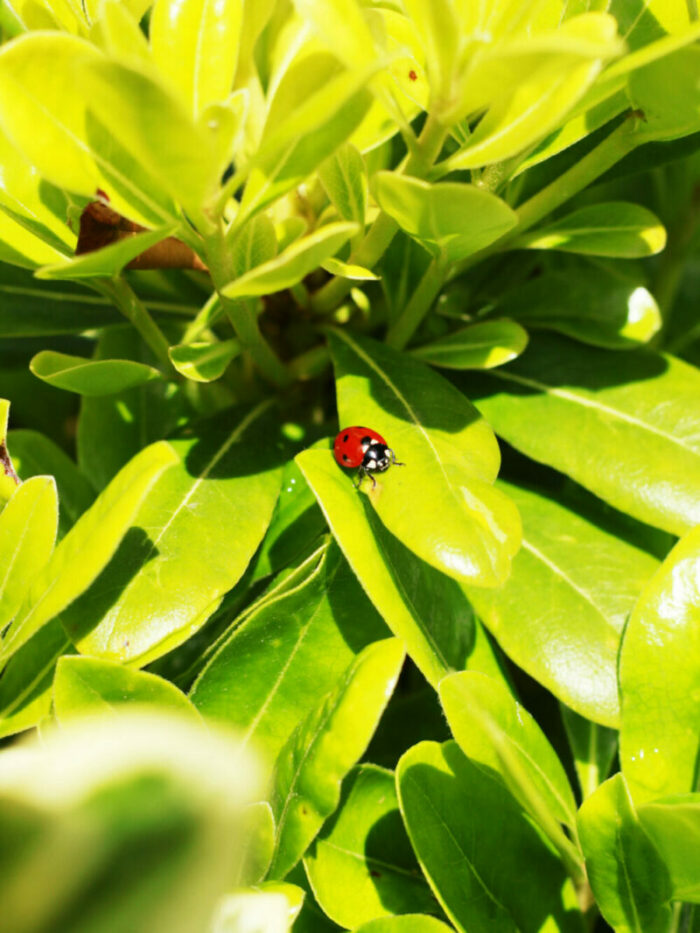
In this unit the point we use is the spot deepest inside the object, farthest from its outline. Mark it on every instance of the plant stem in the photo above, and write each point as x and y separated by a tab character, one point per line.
607	153
205	317
242	313
381	233
421	301
130	305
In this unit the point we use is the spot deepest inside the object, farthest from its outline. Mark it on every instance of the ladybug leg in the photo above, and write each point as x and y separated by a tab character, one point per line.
357	482
394	461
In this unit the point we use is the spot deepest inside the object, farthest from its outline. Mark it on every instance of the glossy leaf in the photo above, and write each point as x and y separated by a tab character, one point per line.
88	686
316	107
35	454
344	180
154	128
40	73
290	267
479	346
27	535
627	231
635	410
279	663
86	794
471	839
90	377
630	882
30	308
87	548
26	686
668	116
561	613
195	44
348	270
496	732
324	747
8	475
269	908
204	362
660	679
113	428
673	824
593	748
296	524
588	303
466	528
362	866
192	540
106	261
406	923
425	609
439	215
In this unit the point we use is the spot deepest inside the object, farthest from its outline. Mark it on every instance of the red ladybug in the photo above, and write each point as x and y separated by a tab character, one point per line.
363	448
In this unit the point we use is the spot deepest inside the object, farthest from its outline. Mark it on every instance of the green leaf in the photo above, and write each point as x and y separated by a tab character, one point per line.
30	308
673	824
27	535
629	880
344	179
296	524
259	843
593	748
324	747
280	662
472	839
479	346
635	411
316	106
192	540
87	548
587	302
106	261
34	454
40	74
113	428
88	686
659	678
618	229
155	129
561	613
26	686
406	923
465	528
449	218
668	116
348	270
204	362
362	866
290	267
79	808
90	377
195	44
496	732
424	608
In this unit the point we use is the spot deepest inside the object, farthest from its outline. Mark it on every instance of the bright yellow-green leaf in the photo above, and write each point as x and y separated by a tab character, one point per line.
479	346
617	229
27	535
8	477
106	261
88	546
344	178
204	362
290	267
348	270
90	377
195	44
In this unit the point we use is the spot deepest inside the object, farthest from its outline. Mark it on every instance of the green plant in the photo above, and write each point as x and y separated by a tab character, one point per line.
446	220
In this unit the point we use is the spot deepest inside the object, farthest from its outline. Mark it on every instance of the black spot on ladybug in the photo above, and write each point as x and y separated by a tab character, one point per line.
346	458
375	874
345	438
412	75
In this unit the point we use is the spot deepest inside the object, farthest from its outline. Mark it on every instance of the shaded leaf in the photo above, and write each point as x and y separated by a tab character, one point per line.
479	346
90	377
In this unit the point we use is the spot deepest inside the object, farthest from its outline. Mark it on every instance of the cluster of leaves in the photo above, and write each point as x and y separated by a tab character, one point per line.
390	188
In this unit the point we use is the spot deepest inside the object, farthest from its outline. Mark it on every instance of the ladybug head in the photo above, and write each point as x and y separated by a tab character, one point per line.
377	459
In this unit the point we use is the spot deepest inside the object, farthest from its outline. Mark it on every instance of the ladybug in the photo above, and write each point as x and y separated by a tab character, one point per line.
363	448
